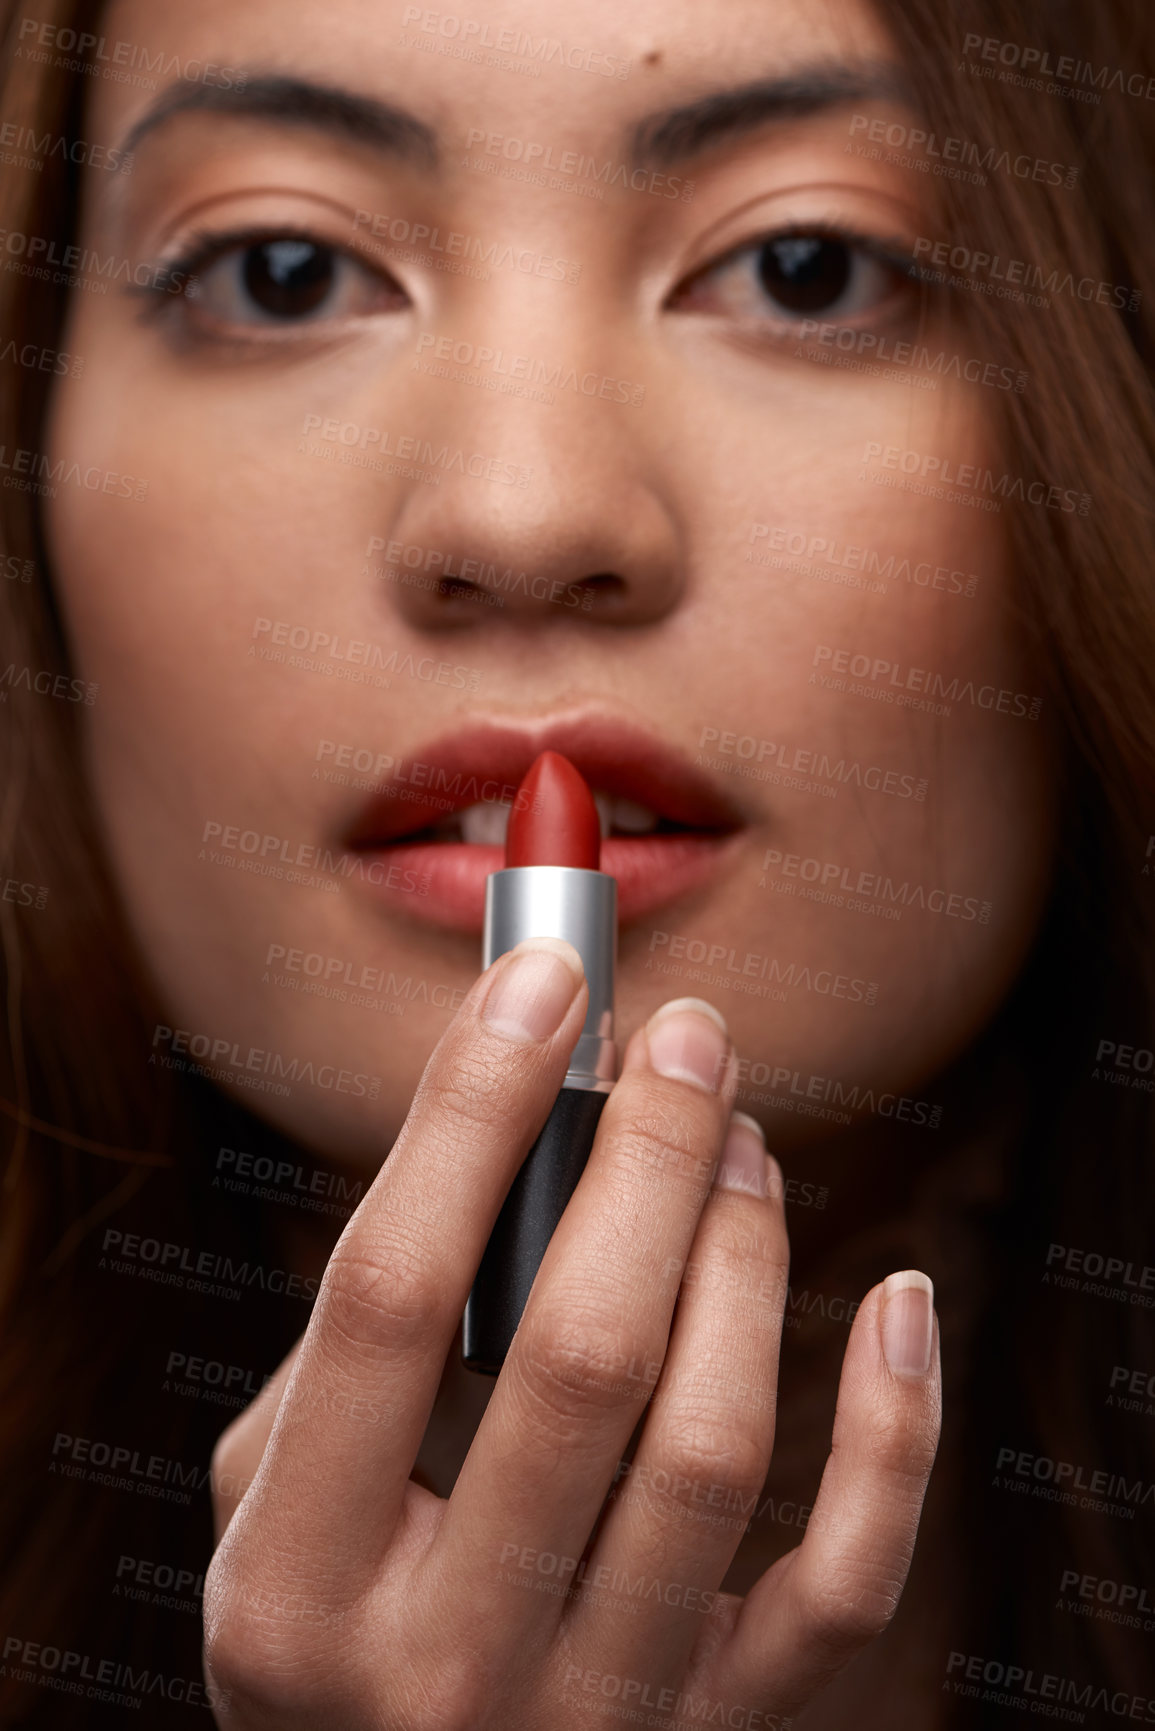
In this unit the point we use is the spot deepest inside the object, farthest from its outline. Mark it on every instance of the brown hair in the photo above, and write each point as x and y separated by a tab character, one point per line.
1040	1364
94	1133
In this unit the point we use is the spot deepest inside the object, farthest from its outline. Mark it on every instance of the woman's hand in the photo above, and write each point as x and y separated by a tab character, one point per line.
344	1595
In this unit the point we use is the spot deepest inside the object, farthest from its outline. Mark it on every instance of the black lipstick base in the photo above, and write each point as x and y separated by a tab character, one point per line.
547	1179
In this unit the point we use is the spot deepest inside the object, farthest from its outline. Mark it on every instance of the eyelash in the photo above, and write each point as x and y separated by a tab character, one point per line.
173	276
174	280
892	256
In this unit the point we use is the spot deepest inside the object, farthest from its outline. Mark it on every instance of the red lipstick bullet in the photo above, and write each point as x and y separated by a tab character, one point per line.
550	887
554	820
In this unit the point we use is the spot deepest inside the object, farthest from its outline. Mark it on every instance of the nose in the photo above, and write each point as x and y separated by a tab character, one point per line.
545	509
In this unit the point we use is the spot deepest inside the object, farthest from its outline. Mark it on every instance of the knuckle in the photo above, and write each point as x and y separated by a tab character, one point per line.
233	1667
272	1656
466	1090
708	1457
675	1144
902	1445
252	1667
742	1264
390	1302
569	1365
847	1611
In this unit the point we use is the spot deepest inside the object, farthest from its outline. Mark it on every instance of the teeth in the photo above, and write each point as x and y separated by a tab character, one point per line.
632	819
484	824
624	816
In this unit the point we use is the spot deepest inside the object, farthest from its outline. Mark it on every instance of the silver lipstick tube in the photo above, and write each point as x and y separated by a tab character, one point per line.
581	907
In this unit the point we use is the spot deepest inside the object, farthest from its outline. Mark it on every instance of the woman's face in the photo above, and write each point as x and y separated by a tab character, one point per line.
584	309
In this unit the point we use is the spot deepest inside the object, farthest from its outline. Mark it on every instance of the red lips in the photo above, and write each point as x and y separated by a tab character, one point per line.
677	830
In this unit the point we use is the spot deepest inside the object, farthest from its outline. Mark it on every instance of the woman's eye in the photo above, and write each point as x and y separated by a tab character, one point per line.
287	280
798	276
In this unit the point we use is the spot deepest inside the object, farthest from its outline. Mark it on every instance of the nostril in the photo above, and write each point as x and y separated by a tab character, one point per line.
462	589
605	590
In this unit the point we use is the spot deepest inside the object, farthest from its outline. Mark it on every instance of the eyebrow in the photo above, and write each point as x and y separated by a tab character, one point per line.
674	134
299	102
660	139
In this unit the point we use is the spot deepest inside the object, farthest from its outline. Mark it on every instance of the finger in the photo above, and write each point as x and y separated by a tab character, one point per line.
592	1339
836	1591
678	1516
350	1425
241	1444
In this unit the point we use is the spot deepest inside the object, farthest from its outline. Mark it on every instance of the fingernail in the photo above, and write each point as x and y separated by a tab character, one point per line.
907	1322
743	1163
687	1041
531	994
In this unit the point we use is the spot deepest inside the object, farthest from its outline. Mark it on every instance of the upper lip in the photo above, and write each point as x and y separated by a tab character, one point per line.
615	756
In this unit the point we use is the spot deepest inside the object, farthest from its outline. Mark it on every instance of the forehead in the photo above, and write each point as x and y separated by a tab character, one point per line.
590	66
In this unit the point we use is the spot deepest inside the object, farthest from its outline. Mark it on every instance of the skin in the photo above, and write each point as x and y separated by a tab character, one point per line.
682	634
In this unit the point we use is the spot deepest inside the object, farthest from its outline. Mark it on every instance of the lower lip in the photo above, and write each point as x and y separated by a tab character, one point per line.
443	883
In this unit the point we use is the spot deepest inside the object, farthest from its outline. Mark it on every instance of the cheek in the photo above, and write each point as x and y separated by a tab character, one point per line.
173	602
869	936
870	700
849	521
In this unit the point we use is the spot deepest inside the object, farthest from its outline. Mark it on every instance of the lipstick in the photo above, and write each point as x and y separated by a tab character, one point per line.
550	887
